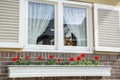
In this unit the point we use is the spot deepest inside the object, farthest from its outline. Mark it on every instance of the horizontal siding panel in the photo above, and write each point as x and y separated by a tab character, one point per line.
110	40
9	14
9	17
109	30
9	21
108	45
103	14
9	37
12	6
9	31
108	33
111	36
9	11
4	23
14	3
7	26
115	44
10	1
105	20
11	41
4	29
108	25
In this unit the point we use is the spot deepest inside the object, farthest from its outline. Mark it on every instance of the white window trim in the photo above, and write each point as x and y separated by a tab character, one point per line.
36	47
97	47
89	28
59	46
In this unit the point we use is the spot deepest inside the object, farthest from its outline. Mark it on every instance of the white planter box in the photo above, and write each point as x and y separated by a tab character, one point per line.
19	71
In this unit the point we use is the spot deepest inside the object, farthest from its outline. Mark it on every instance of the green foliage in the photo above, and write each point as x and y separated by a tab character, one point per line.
21	62
85	62
51	61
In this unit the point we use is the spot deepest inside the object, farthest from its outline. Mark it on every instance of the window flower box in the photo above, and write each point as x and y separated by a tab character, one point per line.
78	66
20	71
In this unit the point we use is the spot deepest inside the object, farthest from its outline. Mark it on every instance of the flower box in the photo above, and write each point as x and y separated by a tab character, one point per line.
20	71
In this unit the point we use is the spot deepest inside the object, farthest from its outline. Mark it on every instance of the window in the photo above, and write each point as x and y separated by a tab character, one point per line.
74	26
60	26
40	24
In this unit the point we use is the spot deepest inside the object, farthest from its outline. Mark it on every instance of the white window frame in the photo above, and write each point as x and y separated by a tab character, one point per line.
33	46
59	41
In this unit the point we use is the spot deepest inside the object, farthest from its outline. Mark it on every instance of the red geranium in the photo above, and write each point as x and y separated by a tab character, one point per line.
79	58
72	59
82	55
39	57
51	56
96	57
58	60
17	57
26	57
14	59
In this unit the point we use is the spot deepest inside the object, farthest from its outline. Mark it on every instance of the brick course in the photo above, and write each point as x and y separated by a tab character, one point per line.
112	59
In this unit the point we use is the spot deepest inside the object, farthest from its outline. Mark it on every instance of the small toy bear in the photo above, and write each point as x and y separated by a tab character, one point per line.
68	41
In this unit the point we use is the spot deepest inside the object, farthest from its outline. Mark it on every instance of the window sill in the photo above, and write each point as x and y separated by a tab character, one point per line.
59	51
16	71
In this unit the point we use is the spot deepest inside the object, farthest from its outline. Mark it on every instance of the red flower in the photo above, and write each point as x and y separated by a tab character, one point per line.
79	58
17	57
39	57
96	57
26	57
82	55
14	59
58	60
51	56
72	59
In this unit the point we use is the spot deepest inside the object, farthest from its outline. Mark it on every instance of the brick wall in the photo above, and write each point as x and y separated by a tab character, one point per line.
112	59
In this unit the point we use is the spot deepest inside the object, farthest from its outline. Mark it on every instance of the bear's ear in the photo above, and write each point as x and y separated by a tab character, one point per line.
69	37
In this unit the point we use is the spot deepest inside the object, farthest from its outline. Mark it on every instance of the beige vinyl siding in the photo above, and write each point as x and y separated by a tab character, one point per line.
9	21
109	28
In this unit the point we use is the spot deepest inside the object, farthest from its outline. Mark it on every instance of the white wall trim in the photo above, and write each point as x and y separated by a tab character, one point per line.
21	21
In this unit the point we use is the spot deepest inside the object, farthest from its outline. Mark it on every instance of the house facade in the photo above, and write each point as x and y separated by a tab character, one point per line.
64	28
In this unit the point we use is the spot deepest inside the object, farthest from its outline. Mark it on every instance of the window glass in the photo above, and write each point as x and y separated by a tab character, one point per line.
40	24
75	26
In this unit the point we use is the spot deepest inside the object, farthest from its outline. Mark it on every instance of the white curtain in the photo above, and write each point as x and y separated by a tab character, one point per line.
75	20
39	16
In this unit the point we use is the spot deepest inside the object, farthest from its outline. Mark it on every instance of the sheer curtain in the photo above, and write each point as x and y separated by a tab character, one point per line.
75	20
39	16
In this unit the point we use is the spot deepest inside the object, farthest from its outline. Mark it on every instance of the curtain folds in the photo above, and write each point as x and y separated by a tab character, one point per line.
75	18
39	16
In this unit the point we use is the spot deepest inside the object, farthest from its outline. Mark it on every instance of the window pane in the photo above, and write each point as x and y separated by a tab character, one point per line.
75	26
40	24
